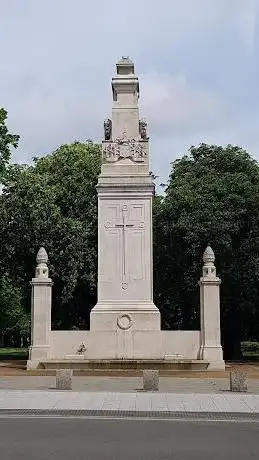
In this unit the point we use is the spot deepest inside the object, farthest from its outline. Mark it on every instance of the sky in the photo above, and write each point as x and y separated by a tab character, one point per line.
197	63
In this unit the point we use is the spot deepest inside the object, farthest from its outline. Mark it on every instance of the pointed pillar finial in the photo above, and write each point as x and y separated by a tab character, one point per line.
42	270
208	269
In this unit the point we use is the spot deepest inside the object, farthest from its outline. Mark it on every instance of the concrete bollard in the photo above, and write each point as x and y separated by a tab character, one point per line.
150	380
64	379
238	381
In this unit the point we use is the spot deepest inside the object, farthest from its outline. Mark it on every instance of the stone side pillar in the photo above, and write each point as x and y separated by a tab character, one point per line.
40	312
211	349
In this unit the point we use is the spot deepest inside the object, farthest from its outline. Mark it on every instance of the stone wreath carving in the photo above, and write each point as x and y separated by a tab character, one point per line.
121	148
124	322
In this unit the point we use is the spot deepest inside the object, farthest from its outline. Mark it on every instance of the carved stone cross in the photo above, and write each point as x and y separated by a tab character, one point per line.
124	224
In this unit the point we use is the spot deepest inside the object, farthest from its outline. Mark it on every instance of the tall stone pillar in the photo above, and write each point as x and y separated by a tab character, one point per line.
125	193
40	312
211	349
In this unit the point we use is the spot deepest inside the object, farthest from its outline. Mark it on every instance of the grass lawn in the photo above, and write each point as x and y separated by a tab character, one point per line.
13	353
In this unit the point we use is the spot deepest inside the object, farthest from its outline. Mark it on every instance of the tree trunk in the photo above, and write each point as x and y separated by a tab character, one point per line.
1	339
232	337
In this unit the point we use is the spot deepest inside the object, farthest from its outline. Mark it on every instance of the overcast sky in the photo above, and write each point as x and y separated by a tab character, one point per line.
197	61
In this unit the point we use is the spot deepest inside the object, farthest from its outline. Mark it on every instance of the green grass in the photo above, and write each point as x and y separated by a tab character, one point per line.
13	354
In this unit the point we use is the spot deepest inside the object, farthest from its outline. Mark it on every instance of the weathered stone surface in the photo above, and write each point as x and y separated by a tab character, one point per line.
238	381
125	193
211	349
64	379
40	312
150	380
125	324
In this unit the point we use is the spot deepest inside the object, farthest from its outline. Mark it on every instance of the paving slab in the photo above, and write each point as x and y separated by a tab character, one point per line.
124	402
126	384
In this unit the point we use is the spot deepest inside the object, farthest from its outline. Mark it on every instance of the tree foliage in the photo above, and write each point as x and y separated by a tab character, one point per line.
212	197
13	319
53	204
7	141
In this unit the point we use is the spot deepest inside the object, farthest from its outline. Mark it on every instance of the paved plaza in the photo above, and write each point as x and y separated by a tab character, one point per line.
184	392
128	402
185	385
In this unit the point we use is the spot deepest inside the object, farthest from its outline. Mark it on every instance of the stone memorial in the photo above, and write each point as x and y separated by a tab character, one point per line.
125	316
125	325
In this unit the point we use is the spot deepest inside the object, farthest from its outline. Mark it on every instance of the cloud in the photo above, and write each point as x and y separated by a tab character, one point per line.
180	114
196	60
247	19
175	106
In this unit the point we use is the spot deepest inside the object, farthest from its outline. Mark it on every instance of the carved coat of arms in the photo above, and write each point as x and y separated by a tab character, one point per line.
122	148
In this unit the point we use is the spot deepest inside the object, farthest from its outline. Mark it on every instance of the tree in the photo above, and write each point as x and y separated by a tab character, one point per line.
53	203
13	319
7	141
212	197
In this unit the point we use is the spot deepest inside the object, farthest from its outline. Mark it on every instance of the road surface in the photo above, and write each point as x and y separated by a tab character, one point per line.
51	438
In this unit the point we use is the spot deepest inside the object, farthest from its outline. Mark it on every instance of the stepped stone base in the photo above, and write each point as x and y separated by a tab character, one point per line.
123	365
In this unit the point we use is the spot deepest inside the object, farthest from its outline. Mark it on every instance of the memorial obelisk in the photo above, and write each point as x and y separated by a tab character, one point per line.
125	323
